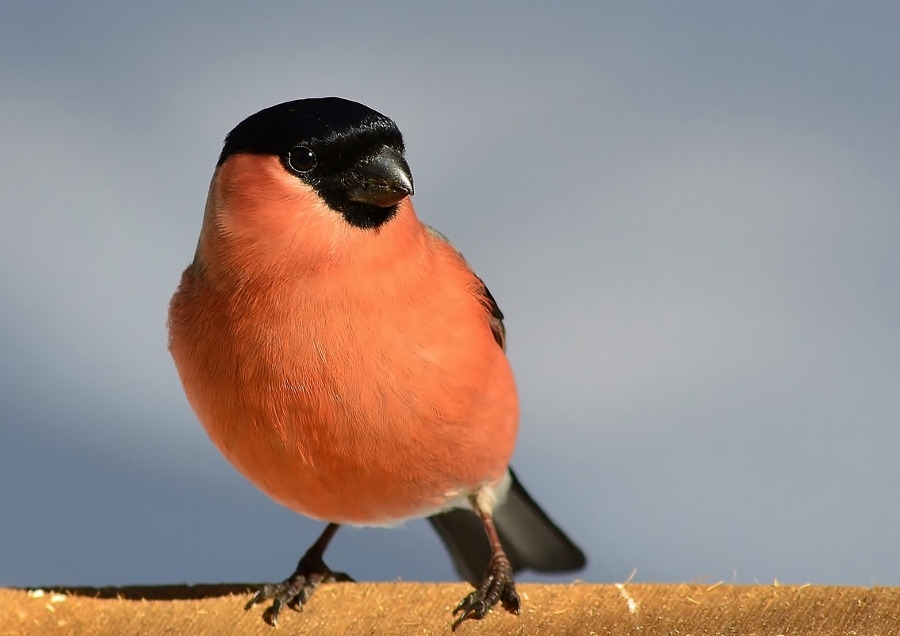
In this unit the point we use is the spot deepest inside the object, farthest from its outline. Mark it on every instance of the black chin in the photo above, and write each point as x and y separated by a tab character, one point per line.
366	217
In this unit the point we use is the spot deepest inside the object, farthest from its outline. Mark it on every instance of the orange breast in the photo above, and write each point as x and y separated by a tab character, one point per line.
366	395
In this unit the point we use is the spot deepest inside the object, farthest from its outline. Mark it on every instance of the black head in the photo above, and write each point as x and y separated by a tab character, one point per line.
350	154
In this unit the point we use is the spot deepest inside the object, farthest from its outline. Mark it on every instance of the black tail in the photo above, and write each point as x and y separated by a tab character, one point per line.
530	538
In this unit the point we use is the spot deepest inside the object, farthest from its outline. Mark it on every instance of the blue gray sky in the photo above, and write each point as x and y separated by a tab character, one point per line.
690	214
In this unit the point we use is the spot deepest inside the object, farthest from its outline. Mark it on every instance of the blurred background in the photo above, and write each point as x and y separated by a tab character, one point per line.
690	215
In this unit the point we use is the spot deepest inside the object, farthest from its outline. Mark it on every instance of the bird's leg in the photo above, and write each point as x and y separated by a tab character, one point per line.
296	590
498	584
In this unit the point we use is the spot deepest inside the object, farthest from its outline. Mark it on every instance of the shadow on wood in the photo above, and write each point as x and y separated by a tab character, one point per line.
159	592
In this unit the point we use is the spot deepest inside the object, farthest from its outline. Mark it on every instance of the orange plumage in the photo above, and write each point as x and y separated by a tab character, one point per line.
352	377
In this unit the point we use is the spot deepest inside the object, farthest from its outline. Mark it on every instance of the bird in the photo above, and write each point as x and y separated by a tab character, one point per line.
346	359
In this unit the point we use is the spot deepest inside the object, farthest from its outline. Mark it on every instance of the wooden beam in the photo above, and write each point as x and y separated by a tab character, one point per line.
424	608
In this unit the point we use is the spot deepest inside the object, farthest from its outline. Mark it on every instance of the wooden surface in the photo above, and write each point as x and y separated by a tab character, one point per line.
424	608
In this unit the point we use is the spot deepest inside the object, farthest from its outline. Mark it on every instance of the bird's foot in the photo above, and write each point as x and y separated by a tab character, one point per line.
295	590
498	586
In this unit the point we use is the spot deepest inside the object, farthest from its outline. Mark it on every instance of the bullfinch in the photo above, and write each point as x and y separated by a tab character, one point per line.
346	359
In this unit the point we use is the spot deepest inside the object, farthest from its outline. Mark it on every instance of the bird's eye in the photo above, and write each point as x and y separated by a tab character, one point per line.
301	159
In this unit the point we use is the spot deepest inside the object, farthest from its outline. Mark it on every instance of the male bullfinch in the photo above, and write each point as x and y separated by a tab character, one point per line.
345	358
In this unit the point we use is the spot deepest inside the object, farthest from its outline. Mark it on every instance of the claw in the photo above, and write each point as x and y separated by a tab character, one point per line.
296	590
498	587
272	612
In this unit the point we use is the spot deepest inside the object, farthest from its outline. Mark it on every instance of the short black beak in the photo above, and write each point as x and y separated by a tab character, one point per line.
383	180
